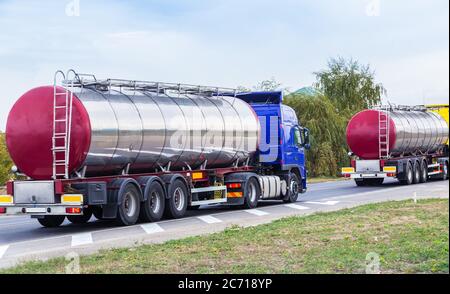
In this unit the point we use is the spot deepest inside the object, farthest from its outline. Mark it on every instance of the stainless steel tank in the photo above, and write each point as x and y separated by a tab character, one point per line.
143	131
418	131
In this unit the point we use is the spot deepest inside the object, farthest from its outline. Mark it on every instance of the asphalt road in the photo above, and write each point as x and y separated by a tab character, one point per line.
22	238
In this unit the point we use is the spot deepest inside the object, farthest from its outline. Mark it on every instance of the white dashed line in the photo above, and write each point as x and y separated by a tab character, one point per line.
3	250
296	206
152	228
209	219
256	212
330	203
81	239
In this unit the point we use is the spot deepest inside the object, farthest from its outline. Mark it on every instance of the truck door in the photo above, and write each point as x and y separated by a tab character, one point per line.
294	149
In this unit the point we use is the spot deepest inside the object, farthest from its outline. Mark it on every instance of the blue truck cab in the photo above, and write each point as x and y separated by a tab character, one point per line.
283	140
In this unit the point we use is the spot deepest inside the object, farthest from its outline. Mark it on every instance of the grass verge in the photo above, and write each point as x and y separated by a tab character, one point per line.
407	237
324	179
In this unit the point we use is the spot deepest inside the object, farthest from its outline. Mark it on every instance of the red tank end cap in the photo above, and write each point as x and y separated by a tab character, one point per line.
29	131
362	134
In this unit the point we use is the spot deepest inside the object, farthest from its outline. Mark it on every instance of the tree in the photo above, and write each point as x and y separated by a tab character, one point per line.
5	161
268	85
349	85
327	129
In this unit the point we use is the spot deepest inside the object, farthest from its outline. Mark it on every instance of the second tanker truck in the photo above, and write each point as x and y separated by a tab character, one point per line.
410	144
125	150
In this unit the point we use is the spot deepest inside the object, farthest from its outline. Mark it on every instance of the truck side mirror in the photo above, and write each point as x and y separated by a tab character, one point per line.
306	142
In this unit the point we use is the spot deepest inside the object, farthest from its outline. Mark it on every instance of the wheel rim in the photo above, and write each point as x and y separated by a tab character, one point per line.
178	197
424	173
294	188
155	202
130	204
417	175
410	175
252	192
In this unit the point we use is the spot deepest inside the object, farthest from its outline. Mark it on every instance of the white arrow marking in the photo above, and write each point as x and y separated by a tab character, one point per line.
152	228
3	250
324	203
209	219
296	206
256	212
81	239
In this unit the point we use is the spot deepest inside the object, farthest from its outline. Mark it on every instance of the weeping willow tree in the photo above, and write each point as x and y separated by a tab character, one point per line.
349	85
5	161
327	129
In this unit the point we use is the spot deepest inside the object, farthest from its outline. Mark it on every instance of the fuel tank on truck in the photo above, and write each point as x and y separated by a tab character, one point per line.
137	131
410	132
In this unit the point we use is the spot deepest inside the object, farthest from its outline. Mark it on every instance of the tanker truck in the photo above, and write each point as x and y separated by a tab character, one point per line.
130	150
410	144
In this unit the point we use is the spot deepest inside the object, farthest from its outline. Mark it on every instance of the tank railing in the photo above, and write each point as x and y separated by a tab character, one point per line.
393	107
80	80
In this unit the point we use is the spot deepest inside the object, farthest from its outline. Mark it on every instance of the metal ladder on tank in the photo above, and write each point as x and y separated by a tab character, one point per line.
383	132
62	123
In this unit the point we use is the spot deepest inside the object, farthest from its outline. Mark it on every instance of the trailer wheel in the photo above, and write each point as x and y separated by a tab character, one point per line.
176	205
97	211
153	208
252	193
409	178
360	182
51	221
424	172
445	171
129	206
294	189
416	179
80	219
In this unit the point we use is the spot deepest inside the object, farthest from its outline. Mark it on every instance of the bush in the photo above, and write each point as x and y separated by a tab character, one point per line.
5	161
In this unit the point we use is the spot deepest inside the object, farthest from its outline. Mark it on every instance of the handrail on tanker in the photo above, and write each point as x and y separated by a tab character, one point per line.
89	80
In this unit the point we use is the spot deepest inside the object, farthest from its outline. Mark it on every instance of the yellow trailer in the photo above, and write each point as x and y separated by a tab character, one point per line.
442	110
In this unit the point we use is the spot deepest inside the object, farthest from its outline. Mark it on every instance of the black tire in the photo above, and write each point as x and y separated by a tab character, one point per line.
369	182
424	172
129	206
445	172
176	205
97	211
360	182
294	189
416	178
252	193
376	182
409	175
153	208
51	221
80	219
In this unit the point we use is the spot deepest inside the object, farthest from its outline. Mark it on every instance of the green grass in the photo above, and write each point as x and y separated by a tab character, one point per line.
408	237
314	180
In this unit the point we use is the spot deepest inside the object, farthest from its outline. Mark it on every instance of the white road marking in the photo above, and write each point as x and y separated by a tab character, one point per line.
81	239
152	228
256	212
296	206
330	203
3	249
209	219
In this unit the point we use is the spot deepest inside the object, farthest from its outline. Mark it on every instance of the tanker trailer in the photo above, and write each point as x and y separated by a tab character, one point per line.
123	150
407	143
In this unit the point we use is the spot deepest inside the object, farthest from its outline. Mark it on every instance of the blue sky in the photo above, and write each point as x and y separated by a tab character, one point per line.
226	42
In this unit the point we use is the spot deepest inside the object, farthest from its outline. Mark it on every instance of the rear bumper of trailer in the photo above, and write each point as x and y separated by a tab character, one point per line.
40	209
